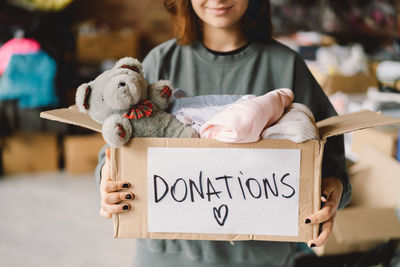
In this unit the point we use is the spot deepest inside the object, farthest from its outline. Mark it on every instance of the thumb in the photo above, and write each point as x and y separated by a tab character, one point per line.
108	156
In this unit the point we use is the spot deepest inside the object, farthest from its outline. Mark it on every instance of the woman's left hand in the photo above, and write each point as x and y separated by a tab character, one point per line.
331	192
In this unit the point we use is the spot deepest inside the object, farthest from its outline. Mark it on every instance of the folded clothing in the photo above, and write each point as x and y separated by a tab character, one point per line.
297	124
184	100
244	121
196	117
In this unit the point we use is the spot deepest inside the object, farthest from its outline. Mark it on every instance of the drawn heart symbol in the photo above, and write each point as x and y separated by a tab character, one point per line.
219	216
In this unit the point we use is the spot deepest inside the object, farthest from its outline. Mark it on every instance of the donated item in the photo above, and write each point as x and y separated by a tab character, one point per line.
181	99
16	46
388	74
128	106
342	69
30	79
244	121
374	95
209	190
384	139
308	52
385	101
96	45
81	153
197	117
297	124
30	152
346	61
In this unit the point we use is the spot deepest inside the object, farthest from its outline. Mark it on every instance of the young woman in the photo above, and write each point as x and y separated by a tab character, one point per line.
225	47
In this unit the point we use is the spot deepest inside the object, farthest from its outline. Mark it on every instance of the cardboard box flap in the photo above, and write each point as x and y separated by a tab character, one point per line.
360	224
72	115
352	122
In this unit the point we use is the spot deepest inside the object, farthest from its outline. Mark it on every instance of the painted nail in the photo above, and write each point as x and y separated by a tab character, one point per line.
307	221
125	185
128	196
312	245
125	207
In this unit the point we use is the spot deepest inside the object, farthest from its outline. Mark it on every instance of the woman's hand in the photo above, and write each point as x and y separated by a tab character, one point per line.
331	192
110	192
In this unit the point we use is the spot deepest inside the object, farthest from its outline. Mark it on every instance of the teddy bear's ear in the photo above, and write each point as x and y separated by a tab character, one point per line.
82	97
129	63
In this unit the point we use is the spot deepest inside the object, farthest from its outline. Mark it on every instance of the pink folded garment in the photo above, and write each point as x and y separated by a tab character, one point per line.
244	121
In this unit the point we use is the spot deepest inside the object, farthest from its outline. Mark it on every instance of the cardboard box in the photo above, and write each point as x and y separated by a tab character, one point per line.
359	229
383	139
133	160
332	83
94	48
30	152
376	180
81	152
371	217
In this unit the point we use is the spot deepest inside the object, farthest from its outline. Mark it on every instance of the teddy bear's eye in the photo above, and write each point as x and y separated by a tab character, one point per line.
122	84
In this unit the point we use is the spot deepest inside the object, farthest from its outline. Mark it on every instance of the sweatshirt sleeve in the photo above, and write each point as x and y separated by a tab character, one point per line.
308	91
101	160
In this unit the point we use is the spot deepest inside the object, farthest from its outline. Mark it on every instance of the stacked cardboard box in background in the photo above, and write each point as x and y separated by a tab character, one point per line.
148	20
356	84
371	216
28	152
25	152
80	152
384	139
96	46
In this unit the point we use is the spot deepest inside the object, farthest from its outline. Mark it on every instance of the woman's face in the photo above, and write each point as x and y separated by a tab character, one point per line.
221	14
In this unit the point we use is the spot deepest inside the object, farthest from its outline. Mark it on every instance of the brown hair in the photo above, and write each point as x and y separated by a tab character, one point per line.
256	21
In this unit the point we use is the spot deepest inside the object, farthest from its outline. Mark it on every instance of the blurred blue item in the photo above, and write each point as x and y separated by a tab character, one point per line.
30	79
398	148
309	52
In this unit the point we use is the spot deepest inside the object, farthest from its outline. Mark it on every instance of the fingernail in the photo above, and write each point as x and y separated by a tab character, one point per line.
307	221
126	185
125	207
129	196
325	196
312	245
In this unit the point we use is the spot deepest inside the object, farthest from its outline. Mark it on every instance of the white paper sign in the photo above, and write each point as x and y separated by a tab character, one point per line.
223	190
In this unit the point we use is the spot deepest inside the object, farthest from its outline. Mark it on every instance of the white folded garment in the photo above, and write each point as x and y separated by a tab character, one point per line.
297	124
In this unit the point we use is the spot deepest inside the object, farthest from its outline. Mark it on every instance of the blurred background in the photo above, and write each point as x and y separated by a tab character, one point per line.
49	201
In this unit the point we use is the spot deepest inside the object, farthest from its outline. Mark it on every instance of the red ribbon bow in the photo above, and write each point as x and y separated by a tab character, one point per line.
145	108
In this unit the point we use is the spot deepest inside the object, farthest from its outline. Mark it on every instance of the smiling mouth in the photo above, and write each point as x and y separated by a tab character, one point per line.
220	10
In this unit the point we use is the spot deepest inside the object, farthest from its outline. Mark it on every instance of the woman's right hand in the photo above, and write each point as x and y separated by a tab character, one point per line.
110	192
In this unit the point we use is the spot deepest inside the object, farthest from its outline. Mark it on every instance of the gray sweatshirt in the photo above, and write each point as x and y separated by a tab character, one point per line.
256	69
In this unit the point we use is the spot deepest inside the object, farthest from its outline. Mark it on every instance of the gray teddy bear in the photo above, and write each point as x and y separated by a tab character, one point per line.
128	106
